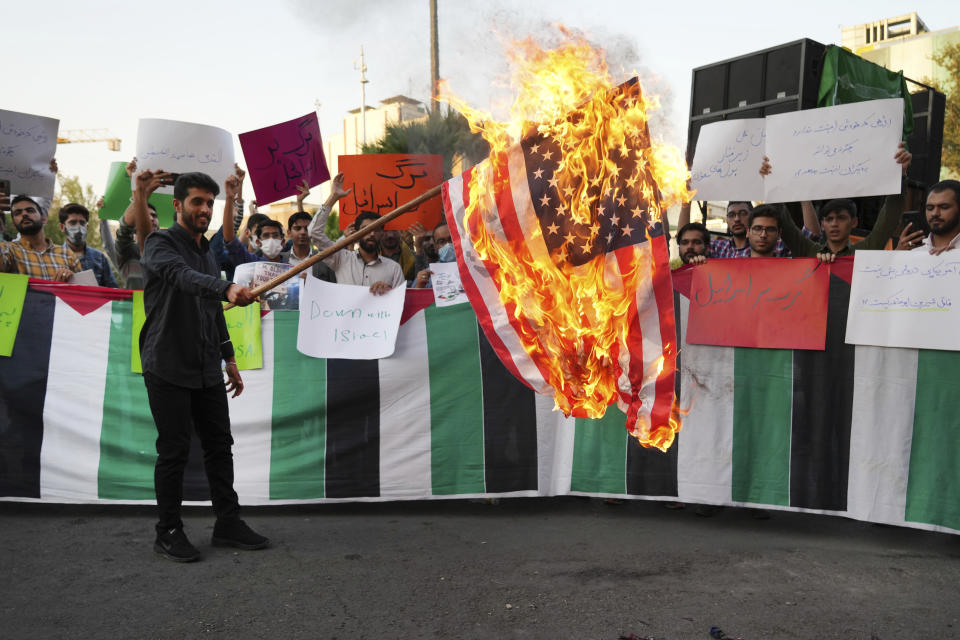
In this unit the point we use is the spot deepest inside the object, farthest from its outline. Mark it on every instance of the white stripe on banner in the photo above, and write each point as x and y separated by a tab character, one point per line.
705	454
405	463
73	405
881	433
250	421
555	439
486	287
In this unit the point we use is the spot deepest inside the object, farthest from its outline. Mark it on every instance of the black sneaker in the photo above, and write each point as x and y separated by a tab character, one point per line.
236	533
173	545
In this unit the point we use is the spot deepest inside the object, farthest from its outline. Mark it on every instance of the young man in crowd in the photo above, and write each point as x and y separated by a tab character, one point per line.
73	222
693	240
182	344
33	254
363	267
738	244
942	209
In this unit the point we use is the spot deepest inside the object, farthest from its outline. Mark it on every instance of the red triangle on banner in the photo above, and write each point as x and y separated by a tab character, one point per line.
81	299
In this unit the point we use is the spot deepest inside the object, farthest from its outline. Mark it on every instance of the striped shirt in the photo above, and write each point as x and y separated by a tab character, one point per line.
20	257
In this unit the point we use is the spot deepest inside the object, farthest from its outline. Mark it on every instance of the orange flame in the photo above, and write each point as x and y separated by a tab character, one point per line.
577	313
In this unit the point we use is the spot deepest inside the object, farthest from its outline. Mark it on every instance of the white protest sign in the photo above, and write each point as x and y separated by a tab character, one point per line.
285	295
726	163
833	152
182	147
27	145
447	288
347	321
905	299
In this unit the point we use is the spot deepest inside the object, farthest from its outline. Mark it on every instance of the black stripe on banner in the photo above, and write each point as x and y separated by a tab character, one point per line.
822	413
509	426
651	472
23	386
353	429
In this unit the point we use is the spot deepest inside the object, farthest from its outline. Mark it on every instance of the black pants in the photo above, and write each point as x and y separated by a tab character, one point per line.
177	411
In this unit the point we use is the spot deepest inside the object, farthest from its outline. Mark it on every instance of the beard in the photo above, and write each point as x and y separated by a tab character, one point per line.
29	227
947	227
370	245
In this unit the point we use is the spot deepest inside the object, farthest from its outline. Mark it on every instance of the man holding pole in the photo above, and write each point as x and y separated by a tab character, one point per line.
363	267
182	343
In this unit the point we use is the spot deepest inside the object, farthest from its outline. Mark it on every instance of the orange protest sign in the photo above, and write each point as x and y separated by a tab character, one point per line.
381	182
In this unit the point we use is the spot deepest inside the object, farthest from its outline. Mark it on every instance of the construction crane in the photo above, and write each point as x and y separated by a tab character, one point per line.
73	136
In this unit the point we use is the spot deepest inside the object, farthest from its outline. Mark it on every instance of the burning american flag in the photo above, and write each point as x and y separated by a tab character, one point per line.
559	242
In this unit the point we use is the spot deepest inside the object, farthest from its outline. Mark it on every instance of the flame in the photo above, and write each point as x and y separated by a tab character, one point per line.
577	308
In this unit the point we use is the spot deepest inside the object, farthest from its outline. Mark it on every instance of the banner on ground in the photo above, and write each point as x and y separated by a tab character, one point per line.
905	299
182	147
282	156
381	182
442	418
27	145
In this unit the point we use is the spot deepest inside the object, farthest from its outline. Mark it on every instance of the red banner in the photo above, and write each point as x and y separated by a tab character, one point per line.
771	303
382	182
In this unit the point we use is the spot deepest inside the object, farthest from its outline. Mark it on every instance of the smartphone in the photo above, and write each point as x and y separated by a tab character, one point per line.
5	187
915	218
170	178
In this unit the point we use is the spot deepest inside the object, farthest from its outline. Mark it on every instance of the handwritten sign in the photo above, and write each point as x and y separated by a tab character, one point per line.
243	325
770	303
284	155
905	299
285	295
181	147
447	287
347	321
842	151
27	145
117	197
383	182
726	164
13	292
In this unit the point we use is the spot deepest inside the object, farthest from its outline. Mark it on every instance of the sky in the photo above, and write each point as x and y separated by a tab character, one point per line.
243	65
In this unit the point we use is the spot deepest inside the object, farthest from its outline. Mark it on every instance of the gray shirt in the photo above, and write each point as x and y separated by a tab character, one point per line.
350	266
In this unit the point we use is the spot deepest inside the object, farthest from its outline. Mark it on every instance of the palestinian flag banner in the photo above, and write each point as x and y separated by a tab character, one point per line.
863	432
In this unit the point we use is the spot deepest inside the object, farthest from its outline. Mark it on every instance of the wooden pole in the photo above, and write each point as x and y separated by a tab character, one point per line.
343	242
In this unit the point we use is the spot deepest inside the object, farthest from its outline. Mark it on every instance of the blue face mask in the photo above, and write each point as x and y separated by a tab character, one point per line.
447	253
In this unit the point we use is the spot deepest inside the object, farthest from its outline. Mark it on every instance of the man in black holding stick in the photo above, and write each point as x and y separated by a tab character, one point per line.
183	341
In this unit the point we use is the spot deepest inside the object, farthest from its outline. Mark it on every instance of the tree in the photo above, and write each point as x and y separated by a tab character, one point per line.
446	134
948	58
70	190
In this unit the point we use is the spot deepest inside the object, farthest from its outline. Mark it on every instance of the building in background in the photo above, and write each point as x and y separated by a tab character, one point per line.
350	142
901	43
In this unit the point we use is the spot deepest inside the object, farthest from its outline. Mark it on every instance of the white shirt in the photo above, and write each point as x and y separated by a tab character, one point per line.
927	244
349	266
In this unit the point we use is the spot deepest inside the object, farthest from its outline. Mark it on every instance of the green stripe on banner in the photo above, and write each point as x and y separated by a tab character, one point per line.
456	414
298	438
600	454
933	485
128	434
762	416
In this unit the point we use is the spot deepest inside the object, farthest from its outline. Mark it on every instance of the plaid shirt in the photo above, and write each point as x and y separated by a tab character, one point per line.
19	257
725	248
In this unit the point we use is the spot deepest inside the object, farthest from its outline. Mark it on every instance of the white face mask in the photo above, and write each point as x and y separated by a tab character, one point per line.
271	247
77	233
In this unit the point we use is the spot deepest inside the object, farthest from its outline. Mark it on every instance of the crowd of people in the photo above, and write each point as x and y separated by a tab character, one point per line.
768	231
384	259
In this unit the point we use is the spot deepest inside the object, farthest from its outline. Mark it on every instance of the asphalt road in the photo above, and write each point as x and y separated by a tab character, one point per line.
524	568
